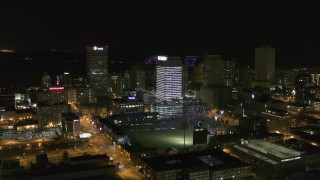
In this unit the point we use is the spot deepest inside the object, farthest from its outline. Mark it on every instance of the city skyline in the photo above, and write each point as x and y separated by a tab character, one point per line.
106	89
229	28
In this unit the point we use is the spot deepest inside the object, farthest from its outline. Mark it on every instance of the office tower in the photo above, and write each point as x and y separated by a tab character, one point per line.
45	81
65	80
246	76
117	84
214	70
198	73
127	84
169	78
137	78
265	63
229	71
302	87
97	69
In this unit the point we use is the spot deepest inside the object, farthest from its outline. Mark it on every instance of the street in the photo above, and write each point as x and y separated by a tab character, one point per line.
98	143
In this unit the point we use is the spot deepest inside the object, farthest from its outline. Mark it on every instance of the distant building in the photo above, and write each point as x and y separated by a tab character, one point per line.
117	84
210	95
250	125
50	115
277	121
198	73
127	83
265	63
22	101
274	160
315	78
45	81
127	105
26	125
65	80
214	70
137	78
54	95
7	102
14	116
303	86
97	68
70	123
246	76
85	95
216	96
93	109
229	71
167	110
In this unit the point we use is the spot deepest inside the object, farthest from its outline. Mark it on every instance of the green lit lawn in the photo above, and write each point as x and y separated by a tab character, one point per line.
163	138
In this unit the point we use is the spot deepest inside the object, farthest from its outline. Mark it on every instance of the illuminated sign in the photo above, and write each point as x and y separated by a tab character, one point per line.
97	48
162	58
131	97
56	89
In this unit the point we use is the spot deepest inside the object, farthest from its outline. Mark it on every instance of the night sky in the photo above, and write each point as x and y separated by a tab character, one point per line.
232	28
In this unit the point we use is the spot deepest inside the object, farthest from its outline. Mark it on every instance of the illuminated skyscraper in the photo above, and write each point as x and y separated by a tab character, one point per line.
169	78
97	68
265	63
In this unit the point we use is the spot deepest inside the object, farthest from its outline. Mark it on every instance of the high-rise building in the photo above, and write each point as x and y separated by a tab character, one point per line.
214	70
45	81
117	84
229	71
246	76
97	69
265	63
169	78
302	87
137	78
127	84
65	80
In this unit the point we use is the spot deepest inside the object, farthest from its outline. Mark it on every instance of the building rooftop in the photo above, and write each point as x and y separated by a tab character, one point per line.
299	146
127	99
27	122
211	159
276	150
89	157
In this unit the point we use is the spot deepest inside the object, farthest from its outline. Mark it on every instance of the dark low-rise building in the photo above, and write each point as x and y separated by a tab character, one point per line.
210	164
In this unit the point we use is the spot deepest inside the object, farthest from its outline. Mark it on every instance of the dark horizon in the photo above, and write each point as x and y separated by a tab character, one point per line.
228	27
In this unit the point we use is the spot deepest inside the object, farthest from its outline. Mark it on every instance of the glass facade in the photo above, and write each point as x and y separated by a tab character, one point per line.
169	83
97	68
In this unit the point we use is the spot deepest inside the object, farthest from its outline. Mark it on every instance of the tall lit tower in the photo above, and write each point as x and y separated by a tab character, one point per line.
169	78
265	63
97	68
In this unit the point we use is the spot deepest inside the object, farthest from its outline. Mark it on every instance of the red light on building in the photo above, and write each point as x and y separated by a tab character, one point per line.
56	89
